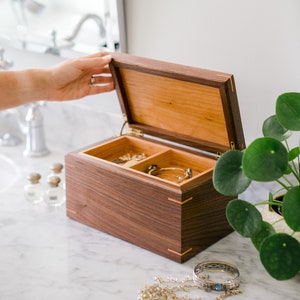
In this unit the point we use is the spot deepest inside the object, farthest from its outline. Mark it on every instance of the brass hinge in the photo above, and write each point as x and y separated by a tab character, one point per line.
135	132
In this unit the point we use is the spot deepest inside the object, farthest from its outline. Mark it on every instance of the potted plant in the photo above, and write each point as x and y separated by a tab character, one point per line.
267	159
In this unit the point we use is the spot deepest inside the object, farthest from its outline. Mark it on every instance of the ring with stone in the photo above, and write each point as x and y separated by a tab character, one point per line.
205	271
92	80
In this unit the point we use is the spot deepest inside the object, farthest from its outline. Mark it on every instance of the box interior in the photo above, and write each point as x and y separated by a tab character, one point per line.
136	154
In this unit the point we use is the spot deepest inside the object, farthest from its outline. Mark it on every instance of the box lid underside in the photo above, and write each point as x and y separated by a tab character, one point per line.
187	105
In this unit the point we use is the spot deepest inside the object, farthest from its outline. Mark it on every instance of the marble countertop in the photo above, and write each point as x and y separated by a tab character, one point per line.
45	255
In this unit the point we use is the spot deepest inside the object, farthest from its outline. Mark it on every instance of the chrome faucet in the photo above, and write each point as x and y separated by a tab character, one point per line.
35	136
31	124
33	127
94	17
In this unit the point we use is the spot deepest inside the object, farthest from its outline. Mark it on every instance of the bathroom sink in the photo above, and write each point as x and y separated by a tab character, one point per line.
9	173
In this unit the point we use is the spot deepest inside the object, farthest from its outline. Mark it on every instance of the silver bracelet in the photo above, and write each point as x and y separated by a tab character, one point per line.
155	171
203	280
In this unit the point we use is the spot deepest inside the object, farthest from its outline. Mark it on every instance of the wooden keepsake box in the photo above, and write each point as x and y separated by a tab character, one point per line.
153	186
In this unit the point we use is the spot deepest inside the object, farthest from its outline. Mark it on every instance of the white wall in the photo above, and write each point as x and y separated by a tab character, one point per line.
257	41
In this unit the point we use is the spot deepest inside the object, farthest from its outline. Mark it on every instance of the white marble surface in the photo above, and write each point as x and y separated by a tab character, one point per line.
45	255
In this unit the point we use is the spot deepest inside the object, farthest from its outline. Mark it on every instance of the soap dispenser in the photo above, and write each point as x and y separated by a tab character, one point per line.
54	195
33	191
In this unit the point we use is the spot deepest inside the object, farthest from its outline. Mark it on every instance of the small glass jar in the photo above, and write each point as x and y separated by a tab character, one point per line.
33	191
55	195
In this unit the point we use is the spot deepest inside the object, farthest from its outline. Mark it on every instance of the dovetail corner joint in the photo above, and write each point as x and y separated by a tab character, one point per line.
180	202
180	254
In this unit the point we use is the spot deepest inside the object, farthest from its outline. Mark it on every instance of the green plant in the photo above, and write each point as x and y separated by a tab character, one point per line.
267	159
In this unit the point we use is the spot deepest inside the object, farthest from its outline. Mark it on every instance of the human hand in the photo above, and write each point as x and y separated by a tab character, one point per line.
71	79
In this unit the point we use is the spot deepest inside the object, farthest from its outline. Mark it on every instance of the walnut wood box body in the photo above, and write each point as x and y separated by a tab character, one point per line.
187	116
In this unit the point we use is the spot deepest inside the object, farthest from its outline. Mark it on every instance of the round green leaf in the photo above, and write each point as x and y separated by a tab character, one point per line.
228	176
266	230
243	217
272	128
291	208
265	159
280	255
288	110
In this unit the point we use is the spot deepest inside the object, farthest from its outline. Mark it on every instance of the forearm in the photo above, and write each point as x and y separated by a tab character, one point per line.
20	87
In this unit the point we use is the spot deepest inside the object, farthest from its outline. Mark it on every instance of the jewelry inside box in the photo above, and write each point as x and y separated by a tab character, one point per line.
129	159
177	172
180	174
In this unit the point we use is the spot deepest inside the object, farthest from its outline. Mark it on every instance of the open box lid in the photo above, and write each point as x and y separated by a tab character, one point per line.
186	105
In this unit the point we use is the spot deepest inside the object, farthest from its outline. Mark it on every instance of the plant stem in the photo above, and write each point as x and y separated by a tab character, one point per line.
287	180
282	184
269	202
294	171
279	220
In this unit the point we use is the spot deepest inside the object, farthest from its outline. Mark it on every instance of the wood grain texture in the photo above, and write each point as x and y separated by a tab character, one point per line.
175	220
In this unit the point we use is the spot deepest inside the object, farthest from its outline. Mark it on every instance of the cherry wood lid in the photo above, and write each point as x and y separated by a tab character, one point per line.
186	105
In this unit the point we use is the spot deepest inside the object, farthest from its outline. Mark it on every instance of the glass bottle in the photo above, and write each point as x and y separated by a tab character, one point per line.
54	195
33	191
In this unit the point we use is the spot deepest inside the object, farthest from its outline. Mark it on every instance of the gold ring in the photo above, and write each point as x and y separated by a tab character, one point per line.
92	80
